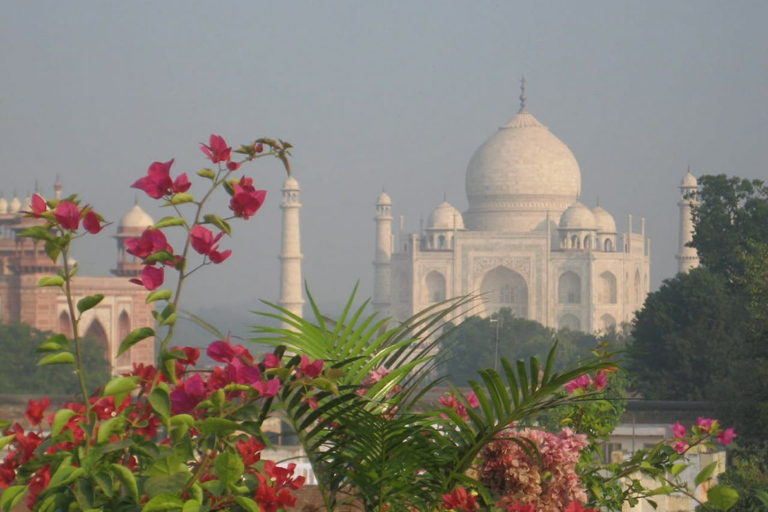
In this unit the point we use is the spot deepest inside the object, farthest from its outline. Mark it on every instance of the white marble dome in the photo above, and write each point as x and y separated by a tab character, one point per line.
445	216
14	206
519	174
135	219
689	180
3	205
384	199
577	216
290	183
604	221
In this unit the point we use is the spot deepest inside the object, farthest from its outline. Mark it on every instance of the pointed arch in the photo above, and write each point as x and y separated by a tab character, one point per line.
608	245
569	321
97	332
637	288
65	325
607	322
569	288
606	290
123	330
503	287
434	288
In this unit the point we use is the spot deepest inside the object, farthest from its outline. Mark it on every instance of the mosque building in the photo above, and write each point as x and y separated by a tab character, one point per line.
526	242
23	262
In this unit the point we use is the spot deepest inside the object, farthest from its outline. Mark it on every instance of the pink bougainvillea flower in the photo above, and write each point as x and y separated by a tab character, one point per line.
38	483
38	205
224	352
451	402
151	278
271	361
680	446
246	200
151	241
233	166
250	451
472	399
67	215
36	410
188	394
726	436
582	382
601	380
267	389
181	183
157	183
92	223
460	500
678	430
575	506
217	149
204	243
217	257
283	477
313	369
705	424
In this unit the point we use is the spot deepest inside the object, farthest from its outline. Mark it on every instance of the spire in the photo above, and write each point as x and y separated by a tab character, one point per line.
523	97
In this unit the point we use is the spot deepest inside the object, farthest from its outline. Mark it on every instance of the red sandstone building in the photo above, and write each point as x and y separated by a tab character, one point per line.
23	262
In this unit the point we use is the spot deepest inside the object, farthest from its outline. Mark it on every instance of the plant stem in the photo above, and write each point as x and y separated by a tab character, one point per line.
75	327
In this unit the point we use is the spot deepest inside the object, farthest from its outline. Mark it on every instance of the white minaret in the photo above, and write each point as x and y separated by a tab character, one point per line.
383	256
687	257
291	297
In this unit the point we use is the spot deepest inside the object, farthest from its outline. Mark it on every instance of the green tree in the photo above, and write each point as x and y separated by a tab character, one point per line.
685	336
19	373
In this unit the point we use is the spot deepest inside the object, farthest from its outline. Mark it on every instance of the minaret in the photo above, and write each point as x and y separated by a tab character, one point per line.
687	257
383	256
291	297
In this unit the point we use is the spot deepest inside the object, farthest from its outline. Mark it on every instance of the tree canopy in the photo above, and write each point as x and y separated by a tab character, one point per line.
19	373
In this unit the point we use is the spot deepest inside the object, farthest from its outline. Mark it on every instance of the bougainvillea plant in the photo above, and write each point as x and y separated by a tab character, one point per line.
164	436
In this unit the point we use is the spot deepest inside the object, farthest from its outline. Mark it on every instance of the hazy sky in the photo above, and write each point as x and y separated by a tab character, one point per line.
375	94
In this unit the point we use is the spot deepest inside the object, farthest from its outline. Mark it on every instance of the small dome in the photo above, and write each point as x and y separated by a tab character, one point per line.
689	180
135	218
14	206
290	183
26	206
3	205
577	216
604	221
384	199
445	216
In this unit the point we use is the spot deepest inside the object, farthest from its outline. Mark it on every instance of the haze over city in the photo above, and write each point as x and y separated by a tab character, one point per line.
373	96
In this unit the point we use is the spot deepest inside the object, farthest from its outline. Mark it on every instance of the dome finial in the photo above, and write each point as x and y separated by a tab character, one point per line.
523	97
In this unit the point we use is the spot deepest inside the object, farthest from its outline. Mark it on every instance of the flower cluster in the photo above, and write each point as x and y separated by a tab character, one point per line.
543	473
451	402
704	427
585	383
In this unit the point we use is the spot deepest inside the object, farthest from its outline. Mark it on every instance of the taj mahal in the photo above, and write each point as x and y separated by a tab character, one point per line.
526	242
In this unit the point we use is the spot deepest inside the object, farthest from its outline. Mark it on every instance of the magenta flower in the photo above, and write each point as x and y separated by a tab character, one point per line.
92	222
157	183
223	352
246	200
67	215
217	149
38	205
151	278
204	243
678	430
582	382
726	436
601	380
705	424
188	394
267	389
311	370
271	361
181	183
472	399
680	446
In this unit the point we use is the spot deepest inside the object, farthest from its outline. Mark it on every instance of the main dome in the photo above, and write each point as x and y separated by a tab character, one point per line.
518	175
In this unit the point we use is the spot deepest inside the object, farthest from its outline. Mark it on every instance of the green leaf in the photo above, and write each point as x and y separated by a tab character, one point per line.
89	302
762	496
183	419
678	468
247	503
159	256
12	496
134	337
207	173
104	481
169	221
165	484
51	281
218	222
54	344
53	250
160	401
163	502
60	358
120	386
722	497
109	427
705	473
229	468
159	295
60	420
5	440
217	426
38	233
170	319
181	198
128	480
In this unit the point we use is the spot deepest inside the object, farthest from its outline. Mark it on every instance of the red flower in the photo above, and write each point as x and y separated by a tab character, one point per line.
460	500
678	430
7	472
151	241
267	389
181	183
188	394
582	382
311	369
680	446
726	436
224	352
575	506
35	410
217	149
38	483
271	361
601	380
250	451
246	200
204	243
705	424
157	182
151	278
38	205
92	222
67	215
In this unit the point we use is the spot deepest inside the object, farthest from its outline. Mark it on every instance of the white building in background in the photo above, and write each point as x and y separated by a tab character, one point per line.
291	285
687	257
525	242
